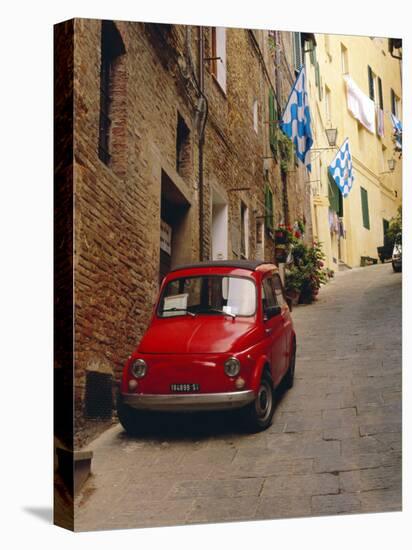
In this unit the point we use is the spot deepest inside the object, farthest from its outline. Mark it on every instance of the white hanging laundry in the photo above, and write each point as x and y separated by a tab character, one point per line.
360	105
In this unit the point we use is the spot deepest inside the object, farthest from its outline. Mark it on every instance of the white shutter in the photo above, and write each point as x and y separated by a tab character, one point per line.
221	52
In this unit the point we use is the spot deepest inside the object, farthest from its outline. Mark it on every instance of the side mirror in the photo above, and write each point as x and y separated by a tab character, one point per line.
271	311
289	302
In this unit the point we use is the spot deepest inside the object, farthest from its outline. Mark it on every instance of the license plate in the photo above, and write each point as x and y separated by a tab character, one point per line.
184	388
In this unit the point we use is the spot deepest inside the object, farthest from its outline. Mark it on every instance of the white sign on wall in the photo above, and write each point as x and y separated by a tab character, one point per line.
165	237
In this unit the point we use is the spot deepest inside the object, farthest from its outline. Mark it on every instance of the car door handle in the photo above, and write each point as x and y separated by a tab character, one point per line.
268	331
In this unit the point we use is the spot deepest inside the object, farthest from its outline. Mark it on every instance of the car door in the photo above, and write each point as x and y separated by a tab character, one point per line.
274	329
286	321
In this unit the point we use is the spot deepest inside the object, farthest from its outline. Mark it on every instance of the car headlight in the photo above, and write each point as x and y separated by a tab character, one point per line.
139	368
232	366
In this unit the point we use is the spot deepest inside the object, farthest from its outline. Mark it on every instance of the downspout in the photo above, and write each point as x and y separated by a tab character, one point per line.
278	95
201	143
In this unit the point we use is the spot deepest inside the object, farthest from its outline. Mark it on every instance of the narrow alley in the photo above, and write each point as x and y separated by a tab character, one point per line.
334	445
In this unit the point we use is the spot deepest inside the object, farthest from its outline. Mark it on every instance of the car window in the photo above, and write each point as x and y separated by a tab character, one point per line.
268	295
277	287
208	295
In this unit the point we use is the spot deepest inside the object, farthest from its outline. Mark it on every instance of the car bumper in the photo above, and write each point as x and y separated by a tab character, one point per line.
189	402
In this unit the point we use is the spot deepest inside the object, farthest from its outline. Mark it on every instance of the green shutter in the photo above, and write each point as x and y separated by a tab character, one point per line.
371	86
317	75
312	55
297	50
365	208
273	116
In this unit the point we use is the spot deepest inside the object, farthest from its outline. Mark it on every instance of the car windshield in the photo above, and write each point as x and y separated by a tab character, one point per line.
211	295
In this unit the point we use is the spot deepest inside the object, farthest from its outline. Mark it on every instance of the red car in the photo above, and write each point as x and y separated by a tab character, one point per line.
221	337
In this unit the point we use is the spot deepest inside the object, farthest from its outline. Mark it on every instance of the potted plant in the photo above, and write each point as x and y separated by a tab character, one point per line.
293	284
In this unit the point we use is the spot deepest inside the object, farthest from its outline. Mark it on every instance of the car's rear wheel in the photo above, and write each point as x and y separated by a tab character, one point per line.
290	373
259	414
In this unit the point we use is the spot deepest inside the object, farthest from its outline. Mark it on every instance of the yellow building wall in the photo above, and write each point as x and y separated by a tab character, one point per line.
370	153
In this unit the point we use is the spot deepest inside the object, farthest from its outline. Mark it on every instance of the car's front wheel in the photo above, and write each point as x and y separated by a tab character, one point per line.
133	421
259	414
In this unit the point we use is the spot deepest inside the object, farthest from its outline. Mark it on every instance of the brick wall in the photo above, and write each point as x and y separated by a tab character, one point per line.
118	206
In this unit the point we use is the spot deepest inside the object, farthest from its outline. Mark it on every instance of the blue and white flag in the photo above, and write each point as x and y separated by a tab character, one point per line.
295	121
341	169
397	126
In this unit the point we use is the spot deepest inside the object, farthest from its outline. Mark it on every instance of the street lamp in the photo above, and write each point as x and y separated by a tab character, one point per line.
332	134
391	166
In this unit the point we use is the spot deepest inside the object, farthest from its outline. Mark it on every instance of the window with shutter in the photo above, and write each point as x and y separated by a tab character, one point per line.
112	96
312	55
297	51
218	50
371	84
380	93
365	208
393	103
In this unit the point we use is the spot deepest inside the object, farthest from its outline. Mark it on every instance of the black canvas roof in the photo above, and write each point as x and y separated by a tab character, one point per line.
241	264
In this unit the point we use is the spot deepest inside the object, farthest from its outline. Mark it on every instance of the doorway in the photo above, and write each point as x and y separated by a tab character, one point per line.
175	233
219	227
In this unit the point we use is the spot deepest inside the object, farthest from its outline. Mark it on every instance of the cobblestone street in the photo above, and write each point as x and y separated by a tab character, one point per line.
334	446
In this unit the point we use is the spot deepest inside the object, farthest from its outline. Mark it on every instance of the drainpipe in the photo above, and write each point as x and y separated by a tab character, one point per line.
201	143
285	204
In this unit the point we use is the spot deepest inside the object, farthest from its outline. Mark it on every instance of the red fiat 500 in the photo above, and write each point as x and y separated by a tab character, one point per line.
221	337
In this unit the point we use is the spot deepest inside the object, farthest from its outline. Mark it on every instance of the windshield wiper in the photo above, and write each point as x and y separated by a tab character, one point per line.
180	309
215	309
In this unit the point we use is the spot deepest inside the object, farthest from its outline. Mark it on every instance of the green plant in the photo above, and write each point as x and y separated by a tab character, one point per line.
308	272
286	151
395	226
301	225
272	43
291	240
294	279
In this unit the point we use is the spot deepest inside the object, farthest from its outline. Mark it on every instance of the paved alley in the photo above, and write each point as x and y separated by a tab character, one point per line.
334	446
